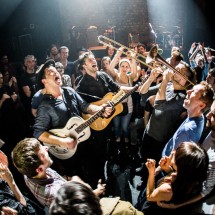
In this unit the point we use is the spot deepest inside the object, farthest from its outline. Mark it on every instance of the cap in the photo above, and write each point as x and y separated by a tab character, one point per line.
40	72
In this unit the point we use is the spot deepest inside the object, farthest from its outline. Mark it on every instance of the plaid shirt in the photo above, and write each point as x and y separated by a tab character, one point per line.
45	189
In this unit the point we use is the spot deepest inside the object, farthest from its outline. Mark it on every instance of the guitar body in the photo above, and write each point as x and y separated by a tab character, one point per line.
102	122
68	131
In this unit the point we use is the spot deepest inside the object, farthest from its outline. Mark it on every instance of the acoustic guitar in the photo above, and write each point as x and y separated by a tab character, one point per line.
79	129
102	122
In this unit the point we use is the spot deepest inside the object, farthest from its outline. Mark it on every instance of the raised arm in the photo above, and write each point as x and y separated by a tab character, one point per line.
114	62
154	74
161	94
7	176
133	74
161	193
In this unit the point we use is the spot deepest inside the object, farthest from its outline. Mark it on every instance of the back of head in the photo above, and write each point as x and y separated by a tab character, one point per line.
192	164
77	199
25	156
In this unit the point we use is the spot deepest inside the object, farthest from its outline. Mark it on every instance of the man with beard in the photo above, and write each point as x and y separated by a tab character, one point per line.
93	86
209	146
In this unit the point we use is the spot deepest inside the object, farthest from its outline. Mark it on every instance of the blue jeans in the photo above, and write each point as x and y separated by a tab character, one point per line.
121	125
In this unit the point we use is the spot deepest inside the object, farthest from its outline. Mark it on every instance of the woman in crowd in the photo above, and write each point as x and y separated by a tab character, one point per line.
186	168
127	72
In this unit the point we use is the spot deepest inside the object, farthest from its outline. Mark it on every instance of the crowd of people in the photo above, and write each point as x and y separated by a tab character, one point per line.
69	127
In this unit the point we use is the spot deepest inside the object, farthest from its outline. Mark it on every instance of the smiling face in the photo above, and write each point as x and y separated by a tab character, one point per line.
30	63
193	100
141	50
105	64
124	67
110	51
64	54
90	64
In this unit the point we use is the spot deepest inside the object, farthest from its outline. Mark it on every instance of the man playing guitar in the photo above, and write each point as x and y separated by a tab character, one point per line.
93	86
57	106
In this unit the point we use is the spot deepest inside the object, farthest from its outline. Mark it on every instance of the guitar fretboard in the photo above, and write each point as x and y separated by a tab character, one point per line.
85	124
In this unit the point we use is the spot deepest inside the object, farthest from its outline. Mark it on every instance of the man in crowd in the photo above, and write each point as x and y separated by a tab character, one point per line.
209	146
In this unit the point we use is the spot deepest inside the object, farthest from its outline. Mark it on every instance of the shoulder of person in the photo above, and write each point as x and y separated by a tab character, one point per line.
68	89
165	187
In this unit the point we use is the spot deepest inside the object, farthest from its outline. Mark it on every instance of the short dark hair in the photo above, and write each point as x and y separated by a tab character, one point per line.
191	75
140	44
62	47
75	198
82	58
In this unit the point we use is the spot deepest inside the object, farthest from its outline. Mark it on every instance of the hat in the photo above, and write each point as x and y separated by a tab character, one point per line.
40	72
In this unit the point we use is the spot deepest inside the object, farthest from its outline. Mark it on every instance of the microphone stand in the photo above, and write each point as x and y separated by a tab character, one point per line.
153	32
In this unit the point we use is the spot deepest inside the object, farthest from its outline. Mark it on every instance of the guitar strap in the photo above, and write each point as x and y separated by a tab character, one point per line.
102	77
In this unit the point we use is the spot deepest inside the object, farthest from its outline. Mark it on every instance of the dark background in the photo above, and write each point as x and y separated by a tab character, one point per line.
30	26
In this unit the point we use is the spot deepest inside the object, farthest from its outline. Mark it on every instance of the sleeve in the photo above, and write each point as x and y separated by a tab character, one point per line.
36	100
152	91
42	121
209	184
168	105
81	102
23	81
148	107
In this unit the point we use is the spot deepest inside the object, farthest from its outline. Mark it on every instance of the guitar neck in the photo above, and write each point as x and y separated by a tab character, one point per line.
84	125
127	94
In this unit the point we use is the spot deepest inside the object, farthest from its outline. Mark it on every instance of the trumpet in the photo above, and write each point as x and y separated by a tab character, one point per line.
153	57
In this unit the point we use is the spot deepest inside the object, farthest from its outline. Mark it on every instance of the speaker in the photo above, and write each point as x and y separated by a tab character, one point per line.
92	35
26	45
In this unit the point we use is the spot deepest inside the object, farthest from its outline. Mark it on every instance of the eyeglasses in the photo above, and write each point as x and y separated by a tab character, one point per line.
60	68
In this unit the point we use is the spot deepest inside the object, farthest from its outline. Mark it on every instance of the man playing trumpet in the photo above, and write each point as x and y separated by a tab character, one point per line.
168	110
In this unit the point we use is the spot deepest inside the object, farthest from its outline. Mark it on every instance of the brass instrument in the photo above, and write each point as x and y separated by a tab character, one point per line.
109	42
200	48
193	55
152	57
